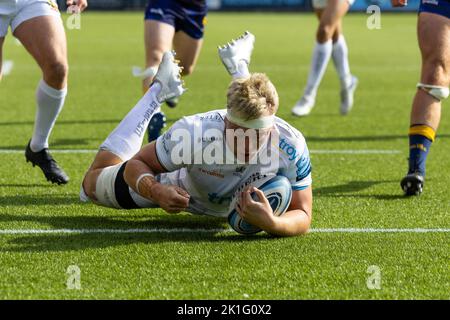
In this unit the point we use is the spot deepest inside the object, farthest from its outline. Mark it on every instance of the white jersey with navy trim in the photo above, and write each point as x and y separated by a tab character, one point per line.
211	186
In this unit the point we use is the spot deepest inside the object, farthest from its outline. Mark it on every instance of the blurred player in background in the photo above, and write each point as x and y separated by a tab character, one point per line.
177	24
38	26
433	30
330	43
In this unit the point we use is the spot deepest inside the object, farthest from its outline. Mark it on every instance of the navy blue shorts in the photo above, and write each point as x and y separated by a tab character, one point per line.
187	16
441	7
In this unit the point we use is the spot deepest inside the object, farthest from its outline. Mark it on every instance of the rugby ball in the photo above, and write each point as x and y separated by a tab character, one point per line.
278	192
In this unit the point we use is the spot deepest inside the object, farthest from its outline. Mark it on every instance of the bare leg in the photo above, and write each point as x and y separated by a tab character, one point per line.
330	20
2	39
45	40
188	50
102	160
125	140
433	33
337	32
158	38
329	28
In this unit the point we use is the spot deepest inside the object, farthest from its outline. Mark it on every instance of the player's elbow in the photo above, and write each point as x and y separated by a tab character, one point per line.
294	226
293	232
300	230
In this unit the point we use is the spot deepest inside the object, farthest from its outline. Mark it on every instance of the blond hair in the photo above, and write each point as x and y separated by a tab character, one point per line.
252	97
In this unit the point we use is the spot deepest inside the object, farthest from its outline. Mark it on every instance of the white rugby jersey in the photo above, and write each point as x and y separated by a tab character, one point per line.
211	186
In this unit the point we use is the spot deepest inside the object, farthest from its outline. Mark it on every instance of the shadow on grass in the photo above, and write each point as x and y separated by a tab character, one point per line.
120	219
351	186
351	189
38	200
62	122
70	122
81	241
27	185
363	138
58	143
372	196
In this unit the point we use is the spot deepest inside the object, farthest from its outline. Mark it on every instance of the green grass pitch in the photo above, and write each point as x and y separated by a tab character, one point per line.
351	190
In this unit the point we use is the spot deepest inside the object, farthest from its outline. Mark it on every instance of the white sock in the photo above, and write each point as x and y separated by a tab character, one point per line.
49	103
126	139
242	71
320	59
340	59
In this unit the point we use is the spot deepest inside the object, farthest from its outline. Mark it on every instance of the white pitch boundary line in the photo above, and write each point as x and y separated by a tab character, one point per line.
355	151
188	230
330	151
71	151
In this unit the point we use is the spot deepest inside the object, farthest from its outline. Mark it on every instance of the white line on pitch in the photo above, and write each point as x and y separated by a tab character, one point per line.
189	230
377	230
355	151
15	151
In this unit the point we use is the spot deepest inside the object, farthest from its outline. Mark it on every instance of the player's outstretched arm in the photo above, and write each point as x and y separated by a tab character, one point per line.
140	174
295	221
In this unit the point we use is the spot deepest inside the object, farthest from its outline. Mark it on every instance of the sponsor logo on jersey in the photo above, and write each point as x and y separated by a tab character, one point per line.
212	117
209	139
288	149
213	173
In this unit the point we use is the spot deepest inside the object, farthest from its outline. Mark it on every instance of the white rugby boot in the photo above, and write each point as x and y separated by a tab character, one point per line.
347	96
169	77
236	52
303	107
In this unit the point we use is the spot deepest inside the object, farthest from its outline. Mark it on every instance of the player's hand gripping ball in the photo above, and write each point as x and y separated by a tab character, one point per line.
278	192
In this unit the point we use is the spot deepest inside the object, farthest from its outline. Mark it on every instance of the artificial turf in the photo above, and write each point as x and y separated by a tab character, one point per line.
351	190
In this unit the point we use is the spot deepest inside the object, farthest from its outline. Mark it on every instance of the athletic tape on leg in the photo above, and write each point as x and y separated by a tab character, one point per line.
438	92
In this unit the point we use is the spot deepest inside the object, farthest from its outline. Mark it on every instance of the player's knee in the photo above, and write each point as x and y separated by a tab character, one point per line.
89	184
154	58
324	32
56	73
336	36
436	72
